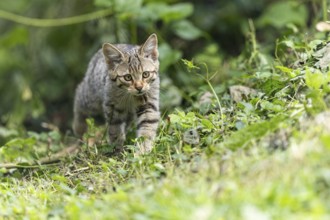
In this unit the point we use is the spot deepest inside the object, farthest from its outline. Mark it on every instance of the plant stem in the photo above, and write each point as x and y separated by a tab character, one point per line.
133	30
216	96
54	22
208	80
324	10
253	41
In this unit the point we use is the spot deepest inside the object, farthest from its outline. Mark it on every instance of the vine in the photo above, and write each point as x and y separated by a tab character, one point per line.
36	22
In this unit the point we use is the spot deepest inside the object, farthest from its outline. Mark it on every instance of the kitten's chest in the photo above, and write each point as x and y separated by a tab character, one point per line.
130	104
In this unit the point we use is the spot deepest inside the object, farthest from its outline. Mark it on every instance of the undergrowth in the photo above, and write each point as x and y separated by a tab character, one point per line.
257	150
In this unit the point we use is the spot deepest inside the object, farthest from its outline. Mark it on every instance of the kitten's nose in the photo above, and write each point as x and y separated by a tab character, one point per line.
138	86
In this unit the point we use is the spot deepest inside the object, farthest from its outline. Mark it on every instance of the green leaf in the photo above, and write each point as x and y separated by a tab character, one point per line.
177	12
168	56
104	3
190	64
326	140
314	80
123	8
152	11
191	115
207	123
246	135
128	8
316	102
282	13
288	43
174	118
5	132
287	70
266	105
187	30
161	11
326	83
21	142
16	36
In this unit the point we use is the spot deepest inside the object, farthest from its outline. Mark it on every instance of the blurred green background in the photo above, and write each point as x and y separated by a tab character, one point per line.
41	66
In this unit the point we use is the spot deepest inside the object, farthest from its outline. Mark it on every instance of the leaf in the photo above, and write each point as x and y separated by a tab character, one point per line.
104	3
263	75
287	70
5	132
325	139
270	106
207	123
314	80
152	11
17	36
174	118
190	64
282	13
288	43
273	84
168	56
177	12
252	132
191	115
161	11
123	8
170	94
326	83
128	8
316	102
159	166
20	142
187	30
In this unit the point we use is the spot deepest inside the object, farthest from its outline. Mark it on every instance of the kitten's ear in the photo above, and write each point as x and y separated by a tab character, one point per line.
150	48
112	55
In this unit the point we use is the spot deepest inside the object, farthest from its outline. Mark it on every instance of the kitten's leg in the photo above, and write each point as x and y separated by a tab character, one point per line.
147	122
79	124
116	122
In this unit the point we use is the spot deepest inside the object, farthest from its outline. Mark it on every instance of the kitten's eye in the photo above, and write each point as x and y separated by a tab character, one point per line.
145	74
128	77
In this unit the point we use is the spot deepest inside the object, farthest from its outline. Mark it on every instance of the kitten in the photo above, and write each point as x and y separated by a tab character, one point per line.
122	83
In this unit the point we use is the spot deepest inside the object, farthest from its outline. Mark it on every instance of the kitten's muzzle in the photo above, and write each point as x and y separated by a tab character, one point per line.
138	86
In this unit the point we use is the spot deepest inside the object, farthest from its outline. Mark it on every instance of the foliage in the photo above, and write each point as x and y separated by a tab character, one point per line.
243	135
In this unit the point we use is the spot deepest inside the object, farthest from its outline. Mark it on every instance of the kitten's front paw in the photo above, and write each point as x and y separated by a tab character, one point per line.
144	147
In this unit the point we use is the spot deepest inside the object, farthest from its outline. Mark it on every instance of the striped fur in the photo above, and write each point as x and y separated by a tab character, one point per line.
122	83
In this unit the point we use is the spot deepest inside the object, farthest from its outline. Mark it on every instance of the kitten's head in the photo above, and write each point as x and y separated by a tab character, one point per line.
133	67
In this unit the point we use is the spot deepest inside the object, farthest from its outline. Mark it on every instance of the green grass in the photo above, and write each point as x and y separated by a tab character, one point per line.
243	184
189	183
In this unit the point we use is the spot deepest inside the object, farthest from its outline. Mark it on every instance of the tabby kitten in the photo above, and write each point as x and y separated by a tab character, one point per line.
122	83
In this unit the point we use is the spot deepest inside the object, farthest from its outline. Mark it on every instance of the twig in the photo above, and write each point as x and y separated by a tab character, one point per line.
72	150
